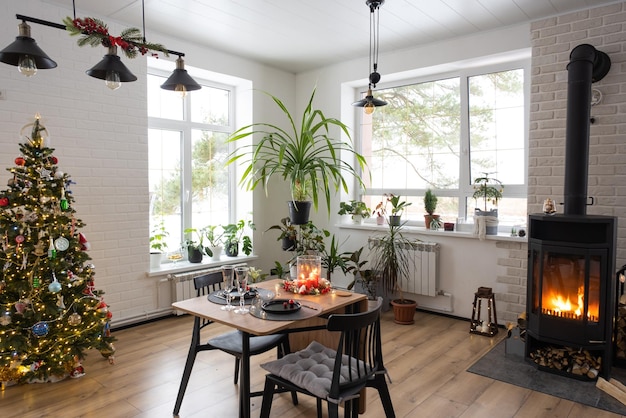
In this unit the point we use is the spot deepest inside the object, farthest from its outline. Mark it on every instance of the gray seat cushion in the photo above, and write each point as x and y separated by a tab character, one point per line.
231	342
311	368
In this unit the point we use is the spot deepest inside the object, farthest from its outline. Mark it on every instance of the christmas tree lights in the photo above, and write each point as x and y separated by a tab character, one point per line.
50	310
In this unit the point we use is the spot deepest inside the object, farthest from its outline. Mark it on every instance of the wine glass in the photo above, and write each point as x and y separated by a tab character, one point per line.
242	283
228	273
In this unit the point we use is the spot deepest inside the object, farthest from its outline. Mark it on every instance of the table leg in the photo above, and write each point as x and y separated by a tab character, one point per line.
244	385
191	358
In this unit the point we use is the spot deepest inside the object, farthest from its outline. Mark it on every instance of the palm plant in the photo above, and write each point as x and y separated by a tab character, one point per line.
308	157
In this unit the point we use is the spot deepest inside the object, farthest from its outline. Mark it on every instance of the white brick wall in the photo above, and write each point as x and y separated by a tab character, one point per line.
552	41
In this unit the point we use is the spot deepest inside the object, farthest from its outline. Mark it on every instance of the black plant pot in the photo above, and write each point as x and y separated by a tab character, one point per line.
299	211
289	244
394	220
194	255
231	249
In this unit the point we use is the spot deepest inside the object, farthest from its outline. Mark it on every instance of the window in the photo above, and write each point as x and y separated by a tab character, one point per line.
442	133
189	182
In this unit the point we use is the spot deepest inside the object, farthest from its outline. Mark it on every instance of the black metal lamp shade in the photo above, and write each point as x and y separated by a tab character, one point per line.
180	80
25	45
111	62
369	101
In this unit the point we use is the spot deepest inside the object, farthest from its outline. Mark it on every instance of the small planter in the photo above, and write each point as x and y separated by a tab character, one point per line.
490	229
394	220
428	220
380	220
288	244
357	219
231	249
404	311
217	253
155	260
299	211
194	255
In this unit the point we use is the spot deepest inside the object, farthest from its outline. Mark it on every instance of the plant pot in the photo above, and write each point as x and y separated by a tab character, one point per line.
428	220
404	311
194	255
394	220
155	260
357	219
380	220
217	252
231	249
288	244
493	213
299	211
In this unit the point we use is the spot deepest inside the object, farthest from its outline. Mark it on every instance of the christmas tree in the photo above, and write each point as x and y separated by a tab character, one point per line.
50	311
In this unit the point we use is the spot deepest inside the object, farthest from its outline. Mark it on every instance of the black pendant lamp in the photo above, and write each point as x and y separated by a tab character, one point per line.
369	103
180	80
112	70
25	54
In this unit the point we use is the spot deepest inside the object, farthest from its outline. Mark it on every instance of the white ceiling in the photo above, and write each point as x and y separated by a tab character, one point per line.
299	35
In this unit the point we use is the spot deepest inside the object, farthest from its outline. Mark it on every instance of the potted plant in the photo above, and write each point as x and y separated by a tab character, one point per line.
380	212
308	157
332	258
288	234
195	248
489	190
234	235
158	245
397	207
392	260
356	209
365	281
431	220
214	249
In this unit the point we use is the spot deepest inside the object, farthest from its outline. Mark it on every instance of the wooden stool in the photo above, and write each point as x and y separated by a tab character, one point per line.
477	326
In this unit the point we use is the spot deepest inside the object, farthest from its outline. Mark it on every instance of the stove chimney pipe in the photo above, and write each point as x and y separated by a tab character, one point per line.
587	65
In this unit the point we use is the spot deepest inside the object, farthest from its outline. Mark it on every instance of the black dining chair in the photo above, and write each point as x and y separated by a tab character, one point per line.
230	342
335	375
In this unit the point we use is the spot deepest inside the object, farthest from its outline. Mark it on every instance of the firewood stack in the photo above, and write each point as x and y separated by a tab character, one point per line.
620	339
580	363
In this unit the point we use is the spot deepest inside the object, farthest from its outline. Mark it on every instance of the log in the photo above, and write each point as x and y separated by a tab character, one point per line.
613	388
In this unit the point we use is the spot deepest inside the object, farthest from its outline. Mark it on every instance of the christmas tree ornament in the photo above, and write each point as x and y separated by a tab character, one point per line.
19	239
5	318
52	252
36	282
39	248
63	204
61	244
53	160
4	201
20	306
74	319
40	329
60	303
20	161
58	174
55	286
84	244
44	173
77	372
3	285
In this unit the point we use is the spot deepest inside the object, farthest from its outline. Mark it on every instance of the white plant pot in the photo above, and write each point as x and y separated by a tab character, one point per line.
155	260
217	253
357	219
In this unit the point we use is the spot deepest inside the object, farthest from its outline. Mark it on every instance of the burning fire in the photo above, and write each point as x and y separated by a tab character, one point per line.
562	306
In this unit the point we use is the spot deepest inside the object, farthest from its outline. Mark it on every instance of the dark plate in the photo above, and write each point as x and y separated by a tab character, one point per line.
250	294
277	306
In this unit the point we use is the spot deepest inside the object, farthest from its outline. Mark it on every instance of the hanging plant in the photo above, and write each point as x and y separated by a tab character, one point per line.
95	33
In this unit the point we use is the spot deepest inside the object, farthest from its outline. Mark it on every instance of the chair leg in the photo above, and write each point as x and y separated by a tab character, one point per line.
333	410
380	384
236	378
319	407
191	358
268	396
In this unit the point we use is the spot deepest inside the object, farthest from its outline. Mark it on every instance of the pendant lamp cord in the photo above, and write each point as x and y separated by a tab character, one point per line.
143	21
374	38
74	7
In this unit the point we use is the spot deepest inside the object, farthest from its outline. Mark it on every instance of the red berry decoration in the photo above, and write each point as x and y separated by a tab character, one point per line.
20	161
4	201
53	159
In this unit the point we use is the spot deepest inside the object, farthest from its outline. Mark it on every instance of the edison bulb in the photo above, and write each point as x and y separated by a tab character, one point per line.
112	80
369	108
27	66
181	89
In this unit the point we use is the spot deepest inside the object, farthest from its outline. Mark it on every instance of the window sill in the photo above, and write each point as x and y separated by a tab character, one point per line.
411	229
185	266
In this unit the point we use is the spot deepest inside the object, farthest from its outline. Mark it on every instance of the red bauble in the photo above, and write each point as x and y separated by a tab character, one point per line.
20	161
4	201
53	159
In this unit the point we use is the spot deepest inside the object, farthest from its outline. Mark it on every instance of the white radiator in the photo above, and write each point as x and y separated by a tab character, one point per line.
424	275
182	283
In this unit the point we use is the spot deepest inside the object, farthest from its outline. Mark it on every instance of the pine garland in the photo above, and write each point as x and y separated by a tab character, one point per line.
95	33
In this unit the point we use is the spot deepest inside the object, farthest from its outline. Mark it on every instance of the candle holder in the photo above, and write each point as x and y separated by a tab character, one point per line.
308	280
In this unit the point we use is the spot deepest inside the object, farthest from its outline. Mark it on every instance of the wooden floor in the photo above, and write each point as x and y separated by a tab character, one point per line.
426	361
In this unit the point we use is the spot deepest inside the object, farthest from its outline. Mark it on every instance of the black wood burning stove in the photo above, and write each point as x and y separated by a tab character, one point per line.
571	282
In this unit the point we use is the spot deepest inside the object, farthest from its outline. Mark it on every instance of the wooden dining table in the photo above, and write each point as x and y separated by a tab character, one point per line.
337	301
